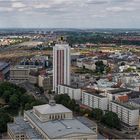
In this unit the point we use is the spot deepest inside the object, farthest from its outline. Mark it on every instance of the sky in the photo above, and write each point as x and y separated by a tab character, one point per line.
69	13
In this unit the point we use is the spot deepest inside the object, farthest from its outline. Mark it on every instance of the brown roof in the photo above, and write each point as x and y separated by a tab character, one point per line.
123	98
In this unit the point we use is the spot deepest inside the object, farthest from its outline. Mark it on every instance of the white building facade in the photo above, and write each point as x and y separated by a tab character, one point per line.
127	114
61	65
94	100
74	93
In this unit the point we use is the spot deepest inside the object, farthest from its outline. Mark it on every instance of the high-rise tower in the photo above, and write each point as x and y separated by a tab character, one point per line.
61	65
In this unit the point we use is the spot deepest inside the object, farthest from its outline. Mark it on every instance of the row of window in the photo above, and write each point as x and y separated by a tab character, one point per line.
57	117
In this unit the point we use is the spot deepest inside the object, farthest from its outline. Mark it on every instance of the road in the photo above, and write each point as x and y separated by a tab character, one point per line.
34	91
112	133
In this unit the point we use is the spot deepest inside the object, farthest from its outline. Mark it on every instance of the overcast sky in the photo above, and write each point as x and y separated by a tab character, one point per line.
70	13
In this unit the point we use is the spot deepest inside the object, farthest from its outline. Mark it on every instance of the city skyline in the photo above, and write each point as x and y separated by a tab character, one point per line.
69	14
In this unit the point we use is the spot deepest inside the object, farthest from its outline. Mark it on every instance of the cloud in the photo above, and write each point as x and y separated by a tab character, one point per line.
41	6
18	5
96	2
5	9
120	9
70	13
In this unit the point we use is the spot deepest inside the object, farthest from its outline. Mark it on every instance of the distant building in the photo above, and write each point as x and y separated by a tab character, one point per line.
128	114
45	81
53	121
61	65
21	73
119	94
4	70
33	77
74	93
37	60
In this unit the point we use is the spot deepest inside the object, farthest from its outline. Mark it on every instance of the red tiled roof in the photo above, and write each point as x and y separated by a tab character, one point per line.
123	98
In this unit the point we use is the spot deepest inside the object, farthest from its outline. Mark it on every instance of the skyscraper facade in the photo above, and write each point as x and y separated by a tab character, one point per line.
61	65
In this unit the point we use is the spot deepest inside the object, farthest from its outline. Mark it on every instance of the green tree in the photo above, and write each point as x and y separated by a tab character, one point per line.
28	106
97	114
65	100
6	95
88	112
111	120
100	67
4	119
49	92
14	101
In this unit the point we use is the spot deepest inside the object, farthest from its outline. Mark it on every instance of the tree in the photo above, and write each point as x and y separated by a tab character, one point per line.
88	112
6	95
65	100
49	92
97	114
100	67
77	108
71	104
111	120
28	106
4	119
14	101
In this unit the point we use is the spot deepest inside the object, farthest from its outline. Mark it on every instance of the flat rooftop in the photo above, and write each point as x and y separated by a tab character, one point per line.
48	109
135	100
23	67
93	92
119	90
3	65
20	126
89	123
70	86
126	105
60	128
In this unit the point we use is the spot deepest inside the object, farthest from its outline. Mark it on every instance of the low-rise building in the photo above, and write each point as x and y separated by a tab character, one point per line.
21	73
4	70
33	77
74	93
21	130
45	81
54	121
128	114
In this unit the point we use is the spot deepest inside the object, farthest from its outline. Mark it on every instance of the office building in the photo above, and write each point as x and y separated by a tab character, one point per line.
94	100
128	114
21	73
61	65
